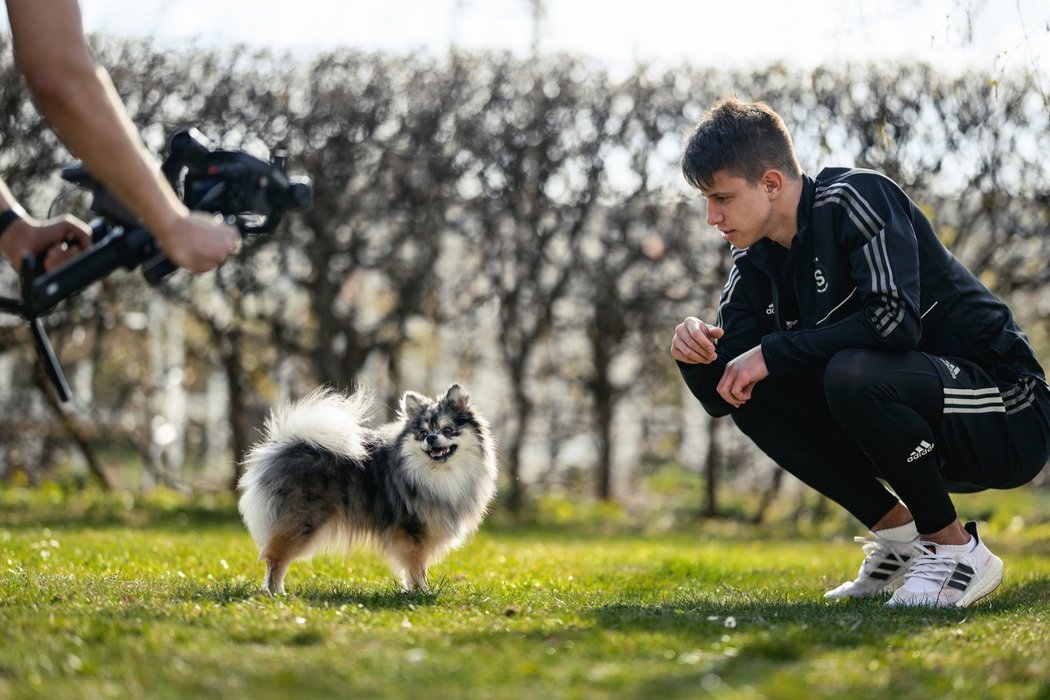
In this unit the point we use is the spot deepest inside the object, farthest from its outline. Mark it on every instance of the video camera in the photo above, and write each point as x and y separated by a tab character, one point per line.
251	194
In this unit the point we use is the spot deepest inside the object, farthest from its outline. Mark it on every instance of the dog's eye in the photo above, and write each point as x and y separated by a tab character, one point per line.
447	431
422	435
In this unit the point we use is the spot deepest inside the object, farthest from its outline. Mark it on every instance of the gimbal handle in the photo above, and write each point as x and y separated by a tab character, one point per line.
120	247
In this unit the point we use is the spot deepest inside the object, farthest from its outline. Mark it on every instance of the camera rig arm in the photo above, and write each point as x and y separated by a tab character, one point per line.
250	193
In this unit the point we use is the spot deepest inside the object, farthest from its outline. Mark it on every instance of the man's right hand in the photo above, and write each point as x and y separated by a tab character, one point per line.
693	342
199	242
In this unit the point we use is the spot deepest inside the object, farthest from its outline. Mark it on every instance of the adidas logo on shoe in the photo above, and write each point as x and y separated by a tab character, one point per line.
961	577
923	448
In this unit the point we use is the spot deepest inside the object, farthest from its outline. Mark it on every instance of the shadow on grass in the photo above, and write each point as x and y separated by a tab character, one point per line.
392	599
387	597
791	630
1010	598
749	643
862	617
759	642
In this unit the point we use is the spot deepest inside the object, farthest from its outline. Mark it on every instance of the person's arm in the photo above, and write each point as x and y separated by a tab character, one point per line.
736	330
21	234
79	101
877	234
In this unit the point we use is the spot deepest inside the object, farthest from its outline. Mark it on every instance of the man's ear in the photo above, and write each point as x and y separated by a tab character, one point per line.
772	182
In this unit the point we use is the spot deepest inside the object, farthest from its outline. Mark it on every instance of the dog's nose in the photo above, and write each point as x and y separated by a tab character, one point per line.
431	438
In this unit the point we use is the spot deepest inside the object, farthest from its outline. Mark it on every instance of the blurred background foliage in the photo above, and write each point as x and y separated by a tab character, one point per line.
518	226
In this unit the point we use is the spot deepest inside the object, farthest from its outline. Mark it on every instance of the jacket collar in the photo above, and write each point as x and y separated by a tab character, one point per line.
804	216
762	254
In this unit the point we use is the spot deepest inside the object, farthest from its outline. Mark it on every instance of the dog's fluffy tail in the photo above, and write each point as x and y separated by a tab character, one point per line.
325	419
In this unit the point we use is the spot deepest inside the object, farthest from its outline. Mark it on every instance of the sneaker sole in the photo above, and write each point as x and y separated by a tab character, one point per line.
888	589
991	579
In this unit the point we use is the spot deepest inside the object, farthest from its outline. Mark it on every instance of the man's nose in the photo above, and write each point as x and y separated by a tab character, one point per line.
714	215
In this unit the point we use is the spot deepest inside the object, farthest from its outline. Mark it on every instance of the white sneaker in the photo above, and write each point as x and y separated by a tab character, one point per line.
945	576
884	565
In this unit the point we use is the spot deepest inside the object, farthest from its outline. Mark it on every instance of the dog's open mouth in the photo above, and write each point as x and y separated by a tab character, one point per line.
440	454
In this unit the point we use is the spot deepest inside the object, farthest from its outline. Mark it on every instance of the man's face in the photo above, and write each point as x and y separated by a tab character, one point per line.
741	210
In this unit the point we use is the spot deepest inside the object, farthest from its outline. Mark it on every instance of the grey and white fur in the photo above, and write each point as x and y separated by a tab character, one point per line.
322	480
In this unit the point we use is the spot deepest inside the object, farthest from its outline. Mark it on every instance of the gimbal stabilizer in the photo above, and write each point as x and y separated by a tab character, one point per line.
251	193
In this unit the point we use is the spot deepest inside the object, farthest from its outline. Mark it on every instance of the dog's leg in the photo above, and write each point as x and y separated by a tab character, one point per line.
410	556
273	583
280	551
418	578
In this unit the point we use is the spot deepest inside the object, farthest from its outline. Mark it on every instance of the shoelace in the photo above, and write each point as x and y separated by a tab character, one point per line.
876	552
931	566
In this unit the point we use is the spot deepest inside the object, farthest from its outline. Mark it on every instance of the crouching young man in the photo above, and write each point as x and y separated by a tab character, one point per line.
856	351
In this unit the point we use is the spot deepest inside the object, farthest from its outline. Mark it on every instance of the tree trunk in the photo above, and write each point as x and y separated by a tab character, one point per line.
603	394
604	411
715	459
239	429
768	496
516	492
78	433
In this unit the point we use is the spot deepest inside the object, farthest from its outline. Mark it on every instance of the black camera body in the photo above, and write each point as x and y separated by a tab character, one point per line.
248	192
255	192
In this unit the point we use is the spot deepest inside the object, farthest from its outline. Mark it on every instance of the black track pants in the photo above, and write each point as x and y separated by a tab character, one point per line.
788	419
925	425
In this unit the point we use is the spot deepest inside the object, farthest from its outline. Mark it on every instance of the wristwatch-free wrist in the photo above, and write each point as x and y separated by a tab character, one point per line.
7	218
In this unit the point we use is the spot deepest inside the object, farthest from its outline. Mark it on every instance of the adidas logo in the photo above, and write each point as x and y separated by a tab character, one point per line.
889	567
952	369
961	577
921	449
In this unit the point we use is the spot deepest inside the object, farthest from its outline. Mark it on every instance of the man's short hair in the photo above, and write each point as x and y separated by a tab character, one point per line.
742	139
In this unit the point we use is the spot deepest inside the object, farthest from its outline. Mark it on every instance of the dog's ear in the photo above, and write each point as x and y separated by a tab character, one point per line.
412	403
458	397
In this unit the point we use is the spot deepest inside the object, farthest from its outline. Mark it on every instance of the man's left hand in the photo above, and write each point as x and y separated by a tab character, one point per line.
741	375
58	240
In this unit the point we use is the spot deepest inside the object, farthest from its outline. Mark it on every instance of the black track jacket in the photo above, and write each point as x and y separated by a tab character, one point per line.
865	271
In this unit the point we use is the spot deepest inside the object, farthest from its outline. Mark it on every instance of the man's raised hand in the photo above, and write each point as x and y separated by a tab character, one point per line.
694	342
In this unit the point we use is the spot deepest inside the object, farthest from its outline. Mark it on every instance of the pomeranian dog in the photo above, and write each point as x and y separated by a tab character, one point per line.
322	480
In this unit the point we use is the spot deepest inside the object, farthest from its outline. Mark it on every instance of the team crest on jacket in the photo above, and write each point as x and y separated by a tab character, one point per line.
820	276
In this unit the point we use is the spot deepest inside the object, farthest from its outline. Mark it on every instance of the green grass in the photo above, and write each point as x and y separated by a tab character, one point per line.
102	596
